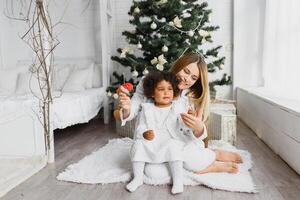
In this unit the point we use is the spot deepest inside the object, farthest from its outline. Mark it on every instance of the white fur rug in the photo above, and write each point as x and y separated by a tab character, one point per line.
111	164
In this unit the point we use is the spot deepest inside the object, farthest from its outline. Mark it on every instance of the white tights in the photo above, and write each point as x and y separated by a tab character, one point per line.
176	168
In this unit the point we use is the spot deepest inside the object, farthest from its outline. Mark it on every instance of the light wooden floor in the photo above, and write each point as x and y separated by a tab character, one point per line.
274	178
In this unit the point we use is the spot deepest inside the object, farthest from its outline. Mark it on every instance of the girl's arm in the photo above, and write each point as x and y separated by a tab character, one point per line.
142	130
129	108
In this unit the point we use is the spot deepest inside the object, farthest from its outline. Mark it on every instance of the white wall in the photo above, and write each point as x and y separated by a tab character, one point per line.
1	62
248	37
79	33
221	15
12	48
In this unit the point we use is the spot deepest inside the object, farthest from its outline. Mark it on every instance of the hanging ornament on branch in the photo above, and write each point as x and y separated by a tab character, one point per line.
191	33
135	73
145	72
136	10
139	45
164	48
153	25
115	96
109	94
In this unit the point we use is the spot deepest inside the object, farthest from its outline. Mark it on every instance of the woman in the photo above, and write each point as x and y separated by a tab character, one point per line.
191	71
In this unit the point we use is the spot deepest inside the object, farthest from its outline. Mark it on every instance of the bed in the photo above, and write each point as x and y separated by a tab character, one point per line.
78	93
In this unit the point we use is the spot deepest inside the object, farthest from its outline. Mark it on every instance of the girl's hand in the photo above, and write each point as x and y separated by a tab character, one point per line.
193	122
148	135
124	103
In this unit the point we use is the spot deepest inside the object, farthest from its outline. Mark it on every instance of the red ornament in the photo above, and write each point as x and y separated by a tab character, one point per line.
128	86
125	88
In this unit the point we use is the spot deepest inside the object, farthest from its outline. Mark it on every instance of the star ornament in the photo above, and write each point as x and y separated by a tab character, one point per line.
203	33
154	61
160	62
177	22
125	51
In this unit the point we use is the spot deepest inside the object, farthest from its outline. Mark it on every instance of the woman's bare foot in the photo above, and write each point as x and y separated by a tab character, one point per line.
217	166
227	156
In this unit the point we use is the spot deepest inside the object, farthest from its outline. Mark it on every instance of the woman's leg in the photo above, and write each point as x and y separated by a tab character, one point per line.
176	168
138	175
218	166
227	156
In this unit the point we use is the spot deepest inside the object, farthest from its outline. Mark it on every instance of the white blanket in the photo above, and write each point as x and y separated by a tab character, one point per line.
77	107
68	108
111	164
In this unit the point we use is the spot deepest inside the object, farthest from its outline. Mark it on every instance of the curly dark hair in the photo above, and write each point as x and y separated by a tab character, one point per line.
154	77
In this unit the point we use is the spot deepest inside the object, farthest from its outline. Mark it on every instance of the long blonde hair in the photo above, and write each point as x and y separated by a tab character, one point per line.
200	89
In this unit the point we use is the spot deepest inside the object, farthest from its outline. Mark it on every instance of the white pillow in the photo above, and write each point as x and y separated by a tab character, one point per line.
89	81
97	76
8	81
60	76
77	81
90	67
26	83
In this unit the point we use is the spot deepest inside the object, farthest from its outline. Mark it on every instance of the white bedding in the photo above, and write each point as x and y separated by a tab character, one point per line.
77	107
68	109
10	105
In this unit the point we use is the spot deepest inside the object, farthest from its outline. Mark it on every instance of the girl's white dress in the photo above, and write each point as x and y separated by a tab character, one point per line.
164	147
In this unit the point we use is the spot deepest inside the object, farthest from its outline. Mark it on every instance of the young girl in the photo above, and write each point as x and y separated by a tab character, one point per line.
157	132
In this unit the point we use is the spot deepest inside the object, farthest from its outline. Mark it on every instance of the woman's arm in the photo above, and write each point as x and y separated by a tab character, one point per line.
196	124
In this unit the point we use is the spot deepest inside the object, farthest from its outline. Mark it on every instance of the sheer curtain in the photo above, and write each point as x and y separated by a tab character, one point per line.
281	48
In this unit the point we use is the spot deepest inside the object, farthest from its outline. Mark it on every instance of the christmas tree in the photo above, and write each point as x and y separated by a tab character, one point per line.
164	30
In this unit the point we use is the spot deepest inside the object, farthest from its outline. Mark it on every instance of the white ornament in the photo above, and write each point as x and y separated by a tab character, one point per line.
209	18
182	2
186	15
134	73
203	33
109	94
161	62
115	96
145	72
154	61
171	23
187	41
136	10
177	22
191	33
153	25
221	66
164	48
139	45
162	2
160	67
123	55
125	51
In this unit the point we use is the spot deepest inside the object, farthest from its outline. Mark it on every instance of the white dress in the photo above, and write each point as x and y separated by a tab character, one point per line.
164	147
